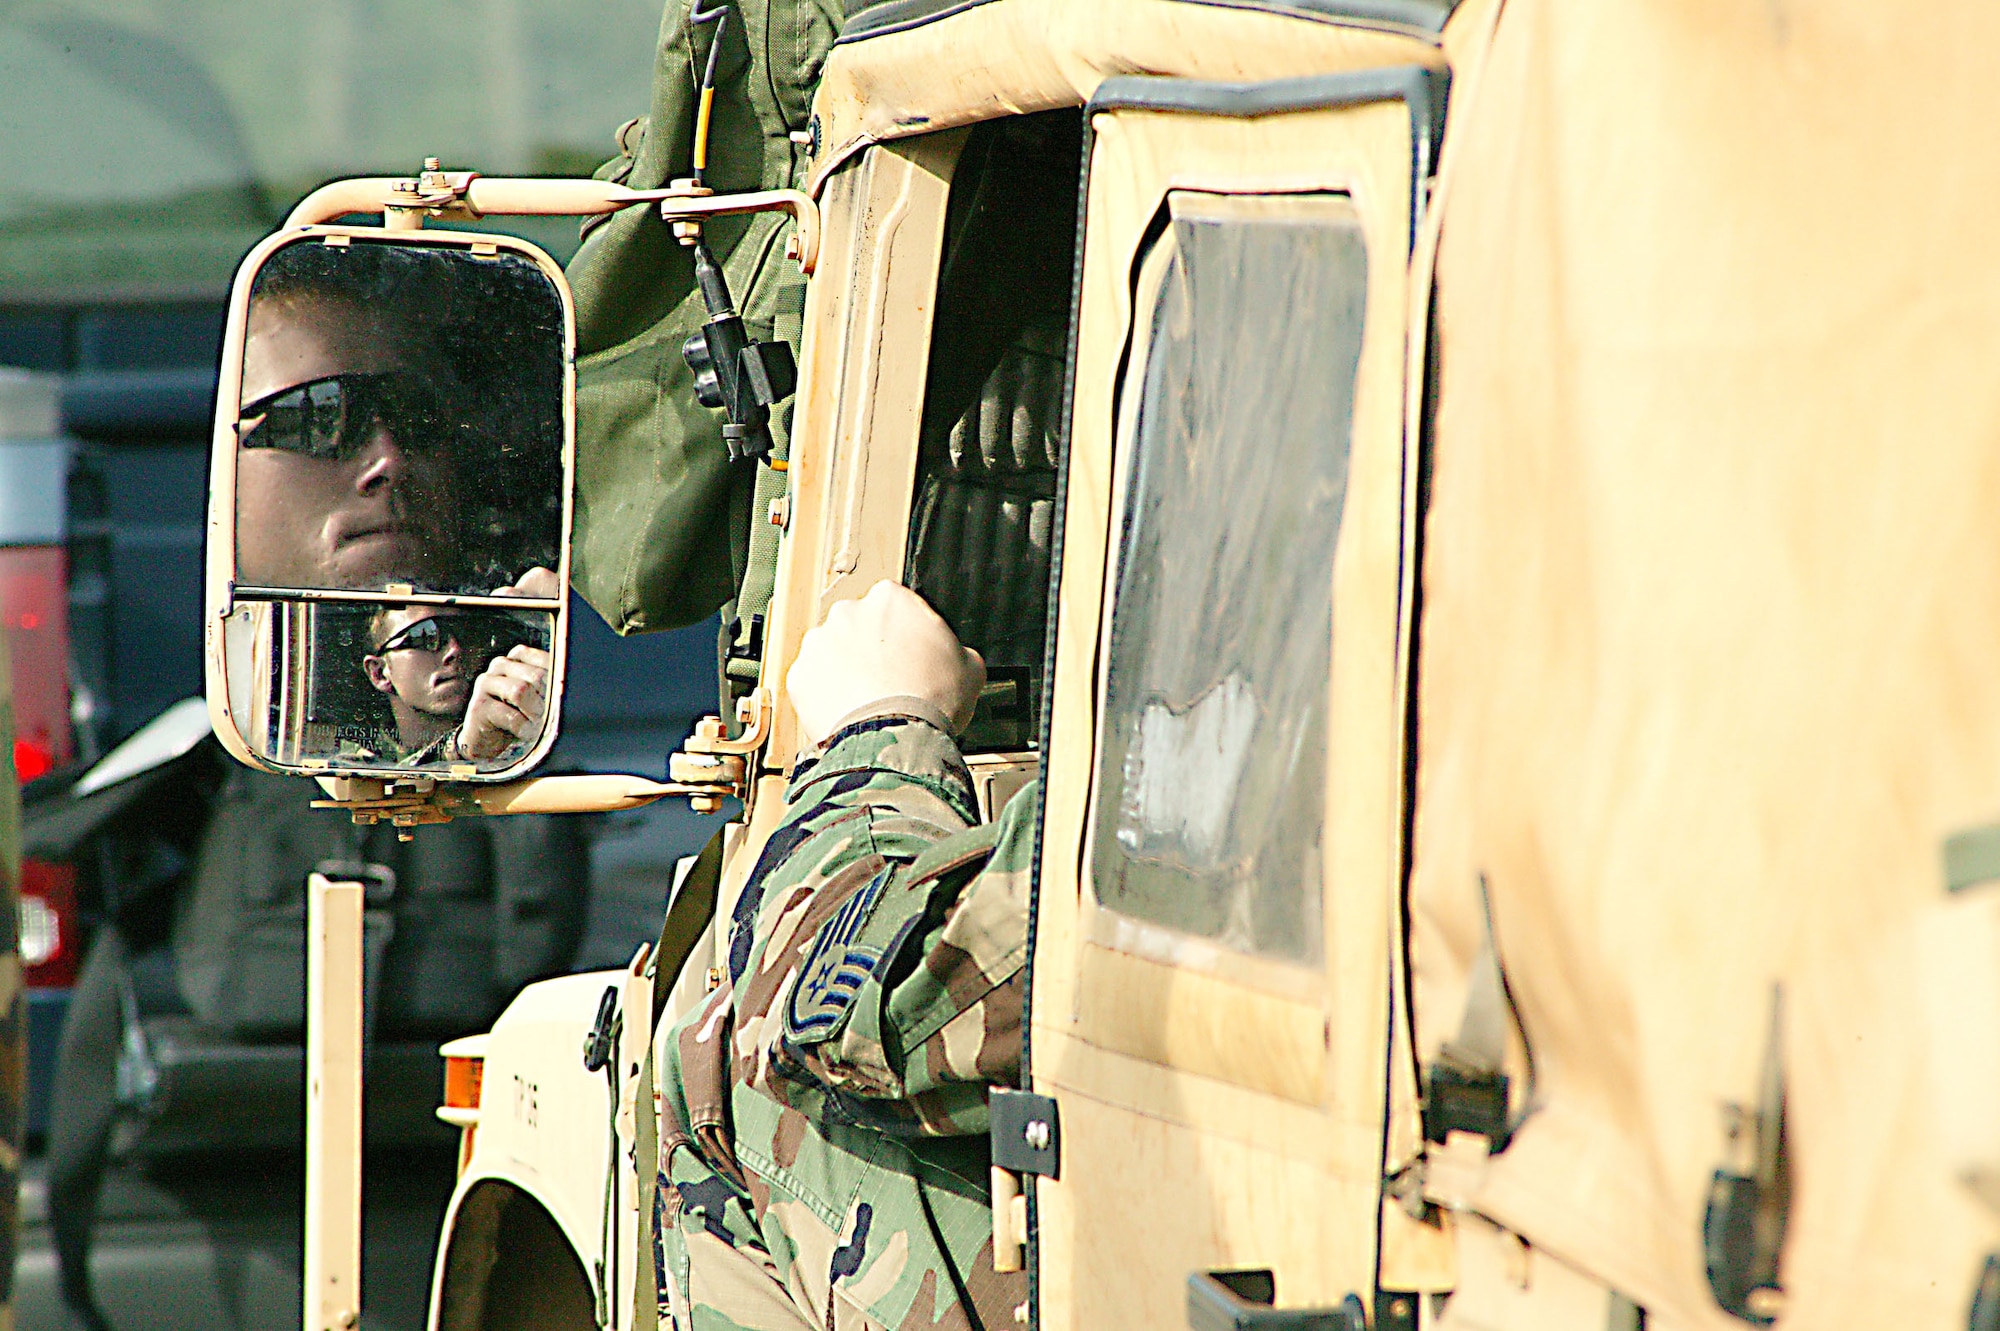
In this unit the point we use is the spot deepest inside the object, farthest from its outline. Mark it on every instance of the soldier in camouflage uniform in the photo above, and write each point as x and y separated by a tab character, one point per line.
823	1150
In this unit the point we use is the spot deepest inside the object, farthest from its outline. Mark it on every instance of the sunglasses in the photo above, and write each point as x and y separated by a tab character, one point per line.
484	634
332	418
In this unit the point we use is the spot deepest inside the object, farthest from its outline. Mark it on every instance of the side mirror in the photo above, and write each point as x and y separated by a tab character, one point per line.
390	492
389	505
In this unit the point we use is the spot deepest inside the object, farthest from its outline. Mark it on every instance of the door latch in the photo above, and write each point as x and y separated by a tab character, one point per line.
1026	1135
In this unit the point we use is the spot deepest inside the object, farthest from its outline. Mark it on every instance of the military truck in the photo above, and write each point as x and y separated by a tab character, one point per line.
1481	517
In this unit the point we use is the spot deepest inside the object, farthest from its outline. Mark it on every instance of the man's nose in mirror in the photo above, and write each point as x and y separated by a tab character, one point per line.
384	462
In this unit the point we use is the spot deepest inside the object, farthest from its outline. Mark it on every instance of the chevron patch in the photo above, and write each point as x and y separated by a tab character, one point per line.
835	969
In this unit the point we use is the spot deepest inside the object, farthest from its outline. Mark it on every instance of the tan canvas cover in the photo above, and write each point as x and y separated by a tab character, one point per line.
991	60
1711	642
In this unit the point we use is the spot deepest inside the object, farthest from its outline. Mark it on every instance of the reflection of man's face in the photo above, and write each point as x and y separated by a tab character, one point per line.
361	508
423	667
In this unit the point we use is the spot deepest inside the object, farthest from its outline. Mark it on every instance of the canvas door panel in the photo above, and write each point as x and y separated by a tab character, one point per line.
861	373
867	334
1220	1067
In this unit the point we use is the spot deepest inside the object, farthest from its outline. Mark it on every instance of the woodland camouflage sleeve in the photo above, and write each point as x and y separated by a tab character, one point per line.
880	965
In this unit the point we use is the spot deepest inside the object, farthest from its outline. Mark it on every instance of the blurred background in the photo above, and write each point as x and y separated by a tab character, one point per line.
145	145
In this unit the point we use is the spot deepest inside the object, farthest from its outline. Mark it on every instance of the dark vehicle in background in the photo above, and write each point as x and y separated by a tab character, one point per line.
148	148
103	460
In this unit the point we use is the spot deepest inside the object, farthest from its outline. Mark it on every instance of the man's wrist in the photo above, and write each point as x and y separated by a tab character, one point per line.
886	738
920	709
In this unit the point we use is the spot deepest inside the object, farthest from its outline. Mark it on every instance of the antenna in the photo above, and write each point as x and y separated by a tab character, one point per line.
743	378
696	17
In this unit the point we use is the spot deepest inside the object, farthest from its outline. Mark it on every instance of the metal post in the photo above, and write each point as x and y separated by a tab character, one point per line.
333	1104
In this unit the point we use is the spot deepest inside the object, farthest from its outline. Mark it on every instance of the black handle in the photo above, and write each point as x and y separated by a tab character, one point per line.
1241	1301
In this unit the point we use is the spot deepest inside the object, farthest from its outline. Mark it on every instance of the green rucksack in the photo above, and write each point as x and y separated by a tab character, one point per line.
662	515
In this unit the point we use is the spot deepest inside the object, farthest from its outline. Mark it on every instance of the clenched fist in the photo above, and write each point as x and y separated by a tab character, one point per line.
509	701
888	644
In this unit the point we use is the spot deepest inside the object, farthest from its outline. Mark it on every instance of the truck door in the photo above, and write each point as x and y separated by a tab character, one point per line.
1216	908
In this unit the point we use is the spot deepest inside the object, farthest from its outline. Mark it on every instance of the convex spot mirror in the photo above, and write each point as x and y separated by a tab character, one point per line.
389	505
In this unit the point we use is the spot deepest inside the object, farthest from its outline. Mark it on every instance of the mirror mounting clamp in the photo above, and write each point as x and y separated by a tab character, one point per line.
718	764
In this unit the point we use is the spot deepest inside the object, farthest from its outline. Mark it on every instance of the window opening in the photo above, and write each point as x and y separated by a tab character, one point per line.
983	519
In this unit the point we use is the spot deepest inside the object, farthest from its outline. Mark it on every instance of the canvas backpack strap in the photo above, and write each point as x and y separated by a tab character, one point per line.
687	918
743	654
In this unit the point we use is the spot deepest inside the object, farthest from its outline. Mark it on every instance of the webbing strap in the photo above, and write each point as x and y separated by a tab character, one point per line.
760	576
646	1161
742	665
687	918
1481	1043
1466	1090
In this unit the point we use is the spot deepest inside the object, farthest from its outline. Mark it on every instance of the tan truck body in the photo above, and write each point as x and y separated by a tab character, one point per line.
1667	602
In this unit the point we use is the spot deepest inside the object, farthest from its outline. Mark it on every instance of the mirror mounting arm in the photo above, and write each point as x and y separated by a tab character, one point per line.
711	768
404	202
408	805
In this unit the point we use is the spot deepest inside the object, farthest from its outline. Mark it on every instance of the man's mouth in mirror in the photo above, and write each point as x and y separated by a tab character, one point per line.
367	551
370	532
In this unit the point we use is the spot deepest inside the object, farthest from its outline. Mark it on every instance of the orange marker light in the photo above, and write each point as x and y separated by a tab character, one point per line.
462	1078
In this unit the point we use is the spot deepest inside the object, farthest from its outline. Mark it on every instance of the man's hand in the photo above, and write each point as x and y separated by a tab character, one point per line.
509	701
538	581
888	644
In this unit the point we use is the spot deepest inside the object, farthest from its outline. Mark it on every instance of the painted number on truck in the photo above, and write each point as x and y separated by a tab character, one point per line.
525	1110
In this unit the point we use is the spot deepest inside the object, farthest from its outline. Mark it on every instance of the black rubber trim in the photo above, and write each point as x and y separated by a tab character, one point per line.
1422	89
1065	423
893	16
1425	18
1241	1301
1420	17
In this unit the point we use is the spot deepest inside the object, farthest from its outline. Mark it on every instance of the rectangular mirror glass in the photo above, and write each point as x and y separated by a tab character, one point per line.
390	687
392	468
400	419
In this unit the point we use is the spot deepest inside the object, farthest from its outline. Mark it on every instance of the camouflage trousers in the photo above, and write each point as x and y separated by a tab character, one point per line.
716	1267
752	1255
733	1288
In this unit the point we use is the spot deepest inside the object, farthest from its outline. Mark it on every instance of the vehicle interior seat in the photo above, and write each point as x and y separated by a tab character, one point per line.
982	523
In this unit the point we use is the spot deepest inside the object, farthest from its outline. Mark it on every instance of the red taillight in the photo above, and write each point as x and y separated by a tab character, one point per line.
48	924
34	620
31	760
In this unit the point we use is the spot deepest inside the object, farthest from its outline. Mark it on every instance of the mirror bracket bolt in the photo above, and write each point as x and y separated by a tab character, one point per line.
687	230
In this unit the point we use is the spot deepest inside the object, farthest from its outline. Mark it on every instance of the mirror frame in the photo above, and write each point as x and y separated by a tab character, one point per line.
220	579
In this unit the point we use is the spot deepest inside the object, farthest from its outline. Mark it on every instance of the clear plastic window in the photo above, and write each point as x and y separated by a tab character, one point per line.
1211	781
